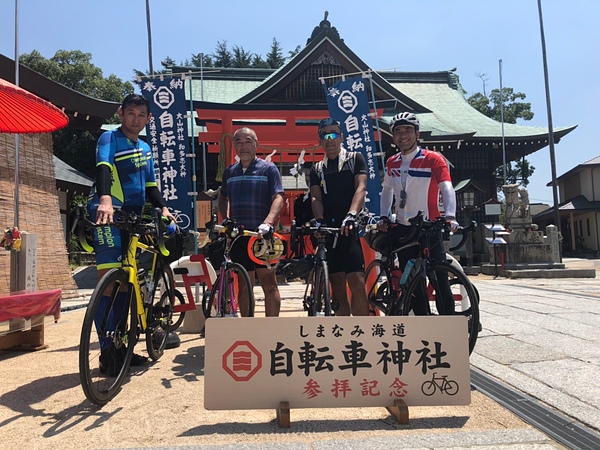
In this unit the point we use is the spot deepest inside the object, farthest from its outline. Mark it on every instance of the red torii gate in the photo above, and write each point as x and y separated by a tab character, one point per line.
277	129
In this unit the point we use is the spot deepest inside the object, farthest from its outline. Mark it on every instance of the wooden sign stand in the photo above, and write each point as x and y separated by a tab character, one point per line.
399	411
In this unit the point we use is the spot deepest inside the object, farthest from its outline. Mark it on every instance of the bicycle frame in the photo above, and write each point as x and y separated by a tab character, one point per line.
227	288
321	233
222	272
130	265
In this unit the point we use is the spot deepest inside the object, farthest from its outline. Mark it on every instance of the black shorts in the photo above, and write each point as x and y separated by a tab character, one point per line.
239	254
347	256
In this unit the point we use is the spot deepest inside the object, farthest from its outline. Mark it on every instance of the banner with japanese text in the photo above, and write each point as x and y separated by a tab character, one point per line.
348	103
167	135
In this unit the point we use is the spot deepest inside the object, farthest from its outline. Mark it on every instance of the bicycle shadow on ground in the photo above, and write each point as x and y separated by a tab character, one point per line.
328	426
187	365
20	401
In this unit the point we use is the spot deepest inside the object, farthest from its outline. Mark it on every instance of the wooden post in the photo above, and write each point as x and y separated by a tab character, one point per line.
283	414
399	411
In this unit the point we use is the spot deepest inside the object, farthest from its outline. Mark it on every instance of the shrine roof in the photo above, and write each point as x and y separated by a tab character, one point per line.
452	114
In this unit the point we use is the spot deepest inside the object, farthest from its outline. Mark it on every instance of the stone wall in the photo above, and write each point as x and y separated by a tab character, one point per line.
39	212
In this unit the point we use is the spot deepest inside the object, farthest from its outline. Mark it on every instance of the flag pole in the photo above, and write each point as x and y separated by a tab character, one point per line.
550	128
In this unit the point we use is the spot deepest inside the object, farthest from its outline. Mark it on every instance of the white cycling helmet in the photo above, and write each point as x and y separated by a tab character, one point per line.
404	118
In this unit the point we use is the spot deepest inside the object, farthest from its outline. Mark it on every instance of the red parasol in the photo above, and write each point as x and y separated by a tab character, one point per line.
22	112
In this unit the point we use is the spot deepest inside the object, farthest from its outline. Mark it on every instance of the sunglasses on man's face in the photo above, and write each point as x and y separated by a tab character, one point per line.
327	136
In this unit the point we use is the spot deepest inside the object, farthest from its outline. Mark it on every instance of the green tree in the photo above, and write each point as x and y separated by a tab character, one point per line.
275	57
75	70
507	107
517	172
492	106
167	64
222	56
241	57
259	63
294	52
201	60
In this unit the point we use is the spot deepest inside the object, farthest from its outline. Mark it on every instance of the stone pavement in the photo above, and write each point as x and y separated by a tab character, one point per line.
540	336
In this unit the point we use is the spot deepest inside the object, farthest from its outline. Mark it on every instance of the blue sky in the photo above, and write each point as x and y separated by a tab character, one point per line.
419	35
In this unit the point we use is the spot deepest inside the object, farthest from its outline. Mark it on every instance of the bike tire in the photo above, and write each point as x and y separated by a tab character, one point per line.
160	312
309	294
378	281
466	299
100	385
178	316
234	274
322	290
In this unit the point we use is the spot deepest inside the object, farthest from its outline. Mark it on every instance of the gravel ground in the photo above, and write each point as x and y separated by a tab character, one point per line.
43	406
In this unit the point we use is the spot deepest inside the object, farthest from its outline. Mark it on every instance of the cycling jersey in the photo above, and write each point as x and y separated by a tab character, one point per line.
420	183
336	179
131	167
132	171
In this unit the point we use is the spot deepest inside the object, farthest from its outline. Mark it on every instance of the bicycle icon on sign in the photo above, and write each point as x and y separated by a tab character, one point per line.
442	383
182	220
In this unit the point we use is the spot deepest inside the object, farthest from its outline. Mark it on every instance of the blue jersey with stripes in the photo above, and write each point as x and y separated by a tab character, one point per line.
250	193
132	171
131	167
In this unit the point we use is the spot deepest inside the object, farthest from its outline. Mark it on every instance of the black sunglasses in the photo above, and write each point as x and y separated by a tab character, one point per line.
402	202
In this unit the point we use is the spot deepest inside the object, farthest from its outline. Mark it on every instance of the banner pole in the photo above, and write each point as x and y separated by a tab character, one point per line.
193	158
381	156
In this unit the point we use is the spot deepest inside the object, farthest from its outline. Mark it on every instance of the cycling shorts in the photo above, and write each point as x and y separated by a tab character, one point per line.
347	256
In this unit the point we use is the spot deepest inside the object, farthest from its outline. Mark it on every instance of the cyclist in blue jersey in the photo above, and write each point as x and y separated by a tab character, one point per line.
124	178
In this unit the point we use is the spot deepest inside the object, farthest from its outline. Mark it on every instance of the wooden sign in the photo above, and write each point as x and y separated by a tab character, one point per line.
317	362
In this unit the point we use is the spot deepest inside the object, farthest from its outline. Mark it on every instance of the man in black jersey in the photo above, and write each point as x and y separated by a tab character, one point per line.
338	186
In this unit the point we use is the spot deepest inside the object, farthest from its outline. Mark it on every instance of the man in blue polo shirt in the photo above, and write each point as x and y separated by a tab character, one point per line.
252	195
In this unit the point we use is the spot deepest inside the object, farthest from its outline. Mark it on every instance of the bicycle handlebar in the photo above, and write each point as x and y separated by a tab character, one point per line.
131	222
465	231
324	230
419	224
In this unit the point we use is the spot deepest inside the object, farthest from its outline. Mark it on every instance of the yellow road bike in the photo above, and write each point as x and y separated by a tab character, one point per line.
135	299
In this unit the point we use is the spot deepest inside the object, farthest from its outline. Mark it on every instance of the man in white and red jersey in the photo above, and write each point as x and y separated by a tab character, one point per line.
418	179
415	176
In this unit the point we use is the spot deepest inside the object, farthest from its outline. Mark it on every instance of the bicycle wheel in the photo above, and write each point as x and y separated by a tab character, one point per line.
465	298
108	336
178	316
321	290
223	298
379	282
428	388
308	301
451	387
160	310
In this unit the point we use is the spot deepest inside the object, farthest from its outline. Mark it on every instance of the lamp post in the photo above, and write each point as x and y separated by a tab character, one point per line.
467	204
